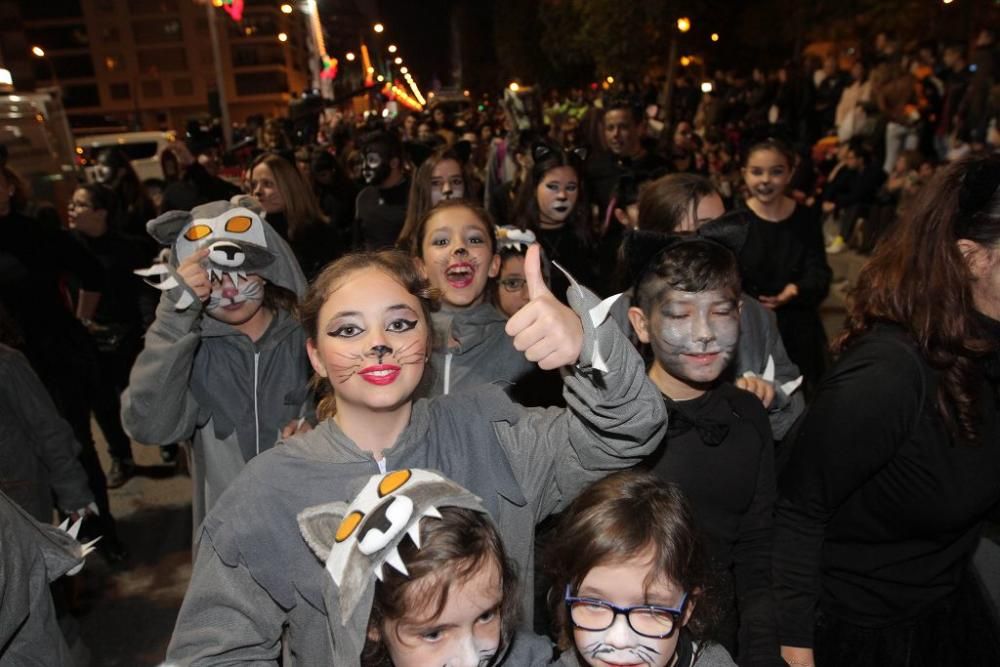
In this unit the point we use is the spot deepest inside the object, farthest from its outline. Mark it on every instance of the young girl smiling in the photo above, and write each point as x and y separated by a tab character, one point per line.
455	246
367	316
629	578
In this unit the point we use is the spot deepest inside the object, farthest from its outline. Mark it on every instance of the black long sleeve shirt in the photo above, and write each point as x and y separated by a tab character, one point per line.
719	450
879	509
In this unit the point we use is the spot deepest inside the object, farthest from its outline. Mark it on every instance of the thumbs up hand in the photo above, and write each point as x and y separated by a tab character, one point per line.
546	331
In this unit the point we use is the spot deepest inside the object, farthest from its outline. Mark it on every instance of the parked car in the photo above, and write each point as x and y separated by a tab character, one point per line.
143	150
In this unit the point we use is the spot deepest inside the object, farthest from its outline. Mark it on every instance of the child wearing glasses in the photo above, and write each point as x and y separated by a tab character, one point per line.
629	578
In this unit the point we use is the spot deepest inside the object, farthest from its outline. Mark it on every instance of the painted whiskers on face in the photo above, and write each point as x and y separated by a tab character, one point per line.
243	290
640	653
410	353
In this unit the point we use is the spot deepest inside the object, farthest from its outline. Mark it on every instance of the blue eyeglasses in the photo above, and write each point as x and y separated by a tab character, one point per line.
650	621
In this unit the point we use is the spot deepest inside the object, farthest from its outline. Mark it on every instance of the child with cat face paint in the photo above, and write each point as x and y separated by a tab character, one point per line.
416	574
630	581
455	247
718	449
256	583
224	361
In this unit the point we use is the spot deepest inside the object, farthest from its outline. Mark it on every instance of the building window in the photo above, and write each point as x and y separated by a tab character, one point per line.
183	87
120	91
66	67
162	60
110	34
261	83
248	55
78	96
156	31
152	89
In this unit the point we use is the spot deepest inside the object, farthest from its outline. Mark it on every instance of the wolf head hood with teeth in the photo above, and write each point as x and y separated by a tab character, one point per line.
357	541
240	242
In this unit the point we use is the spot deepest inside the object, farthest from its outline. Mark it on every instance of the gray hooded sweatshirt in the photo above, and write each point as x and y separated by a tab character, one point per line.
759	341
484	353
255	575
200	378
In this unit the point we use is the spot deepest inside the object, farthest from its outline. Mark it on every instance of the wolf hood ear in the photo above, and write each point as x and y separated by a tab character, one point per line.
166	227
248	202
318	526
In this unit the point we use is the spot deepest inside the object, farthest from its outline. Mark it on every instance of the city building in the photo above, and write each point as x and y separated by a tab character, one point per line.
149	65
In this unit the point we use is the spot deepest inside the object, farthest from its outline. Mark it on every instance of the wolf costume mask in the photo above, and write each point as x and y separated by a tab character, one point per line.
240	242
357	541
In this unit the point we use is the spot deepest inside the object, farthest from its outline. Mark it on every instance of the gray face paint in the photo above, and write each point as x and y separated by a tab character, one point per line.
375	168
694	334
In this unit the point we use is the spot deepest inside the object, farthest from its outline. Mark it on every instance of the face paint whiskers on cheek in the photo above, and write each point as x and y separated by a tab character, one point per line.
242	291
413	352
640	653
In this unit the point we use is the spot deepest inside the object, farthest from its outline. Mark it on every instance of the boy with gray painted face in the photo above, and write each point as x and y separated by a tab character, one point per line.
718	448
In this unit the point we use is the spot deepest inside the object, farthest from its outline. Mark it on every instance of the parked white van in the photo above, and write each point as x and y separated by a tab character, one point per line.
142	148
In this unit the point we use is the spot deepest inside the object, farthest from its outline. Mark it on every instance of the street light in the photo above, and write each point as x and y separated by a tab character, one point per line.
398	60
706	87
378	27
286	8
685	61
514	87
392	48
282	37
404	69
350	56
38	51
683	24
715	36
610	80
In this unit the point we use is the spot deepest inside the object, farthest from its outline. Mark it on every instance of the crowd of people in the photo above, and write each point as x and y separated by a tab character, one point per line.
543	382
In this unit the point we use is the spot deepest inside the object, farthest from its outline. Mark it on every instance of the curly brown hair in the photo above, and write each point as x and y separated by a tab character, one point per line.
917	278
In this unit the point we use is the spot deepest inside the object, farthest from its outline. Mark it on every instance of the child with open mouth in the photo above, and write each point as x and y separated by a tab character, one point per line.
454	245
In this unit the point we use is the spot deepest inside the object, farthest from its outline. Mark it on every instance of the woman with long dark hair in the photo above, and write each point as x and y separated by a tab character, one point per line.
892	472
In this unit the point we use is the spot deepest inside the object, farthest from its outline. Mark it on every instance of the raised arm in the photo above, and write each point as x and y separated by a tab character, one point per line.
614	416
157	407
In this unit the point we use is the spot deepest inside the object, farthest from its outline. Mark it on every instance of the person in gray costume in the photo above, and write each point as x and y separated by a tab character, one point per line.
367	315
225	361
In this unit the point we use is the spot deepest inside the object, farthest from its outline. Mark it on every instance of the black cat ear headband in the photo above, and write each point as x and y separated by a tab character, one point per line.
541	151
644	249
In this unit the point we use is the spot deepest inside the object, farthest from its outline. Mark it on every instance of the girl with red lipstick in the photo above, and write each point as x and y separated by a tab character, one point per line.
552	203
718	448
367	316
454	245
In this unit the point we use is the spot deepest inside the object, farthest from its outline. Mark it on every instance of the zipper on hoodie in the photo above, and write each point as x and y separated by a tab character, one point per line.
447	373
256	415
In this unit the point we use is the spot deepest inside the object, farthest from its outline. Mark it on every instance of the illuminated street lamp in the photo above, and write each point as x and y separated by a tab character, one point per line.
282	37
514	87
715	36
38	51
392	48
685	61
379	28
683	24
706	87
286	8
398	60
404	69
350	56
610	80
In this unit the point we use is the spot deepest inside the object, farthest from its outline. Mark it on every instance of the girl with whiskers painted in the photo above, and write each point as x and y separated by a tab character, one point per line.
224	361
630	581
258	590
455	247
